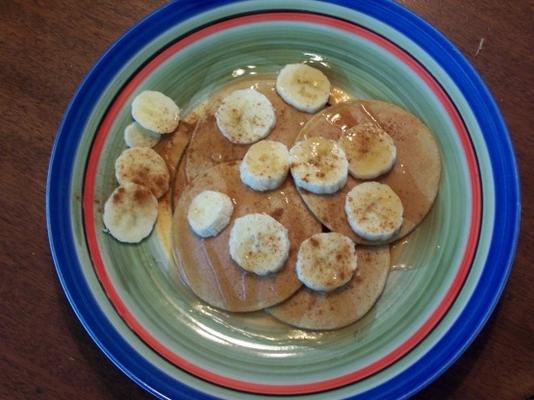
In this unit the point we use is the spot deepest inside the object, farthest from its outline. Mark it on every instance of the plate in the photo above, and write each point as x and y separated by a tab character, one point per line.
454	266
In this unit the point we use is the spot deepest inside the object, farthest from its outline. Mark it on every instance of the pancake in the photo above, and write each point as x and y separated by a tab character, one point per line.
209	147
179	184
310	309
207	266
414	177
171	148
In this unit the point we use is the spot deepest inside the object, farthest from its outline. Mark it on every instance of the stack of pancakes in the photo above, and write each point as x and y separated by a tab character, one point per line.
200	158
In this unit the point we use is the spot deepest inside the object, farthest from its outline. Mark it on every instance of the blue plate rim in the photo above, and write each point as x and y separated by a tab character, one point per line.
498	142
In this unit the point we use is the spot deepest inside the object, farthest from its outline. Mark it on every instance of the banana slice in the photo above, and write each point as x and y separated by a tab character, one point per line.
319	165
374	211
370	151
245	116
137	136
209	213
156	112
265	165
304	87
326	261
145	167
130	212
259	243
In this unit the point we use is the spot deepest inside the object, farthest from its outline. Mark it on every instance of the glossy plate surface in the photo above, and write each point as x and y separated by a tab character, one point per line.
452	268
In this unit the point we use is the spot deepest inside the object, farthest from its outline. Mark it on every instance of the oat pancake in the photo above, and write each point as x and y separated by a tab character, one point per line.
414	177
171	148
207	266
310	309
179	184
209	147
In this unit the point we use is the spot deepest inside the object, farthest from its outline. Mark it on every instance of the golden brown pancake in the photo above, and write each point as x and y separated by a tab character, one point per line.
414	177
310	309
209	147
171	148
180	183
206	263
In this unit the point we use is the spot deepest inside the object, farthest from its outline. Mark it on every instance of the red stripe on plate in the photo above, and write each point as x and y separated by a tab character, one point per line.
145	335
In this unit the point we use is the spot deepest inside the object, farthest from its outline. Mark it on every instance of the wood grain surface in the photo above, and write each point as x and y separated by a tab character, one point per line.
46	47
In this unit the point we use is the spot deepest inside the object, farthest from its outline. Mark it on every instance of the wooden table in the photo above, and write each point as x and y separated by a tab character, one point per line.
46	47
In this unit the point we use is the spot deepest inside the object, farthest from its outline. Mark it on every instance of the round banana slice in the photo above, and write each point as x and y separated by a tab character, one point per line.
259	243
326	261
370	151
265	165
145	167
309	309
130	212
136	136
245	116
374	211
304	87
209	213
156	112
319	165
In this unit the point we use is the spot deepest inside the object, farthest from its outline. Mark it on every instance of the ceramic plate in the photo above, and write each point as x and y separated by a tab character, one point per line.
176	346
